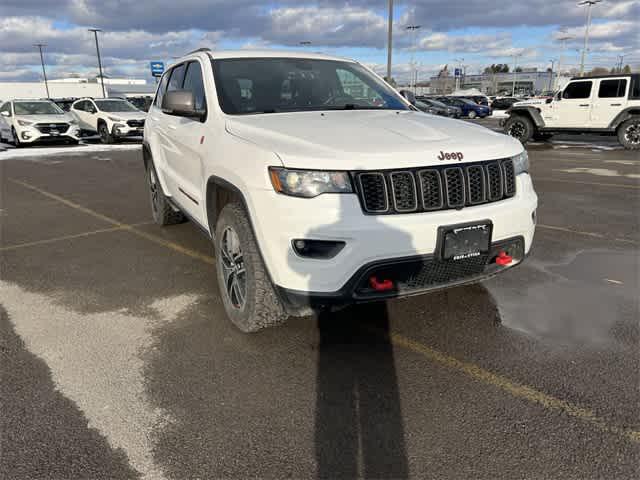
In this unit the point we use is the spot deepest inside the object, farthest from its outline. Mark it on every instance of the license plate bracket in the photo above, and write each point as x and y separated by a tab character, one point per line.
458	242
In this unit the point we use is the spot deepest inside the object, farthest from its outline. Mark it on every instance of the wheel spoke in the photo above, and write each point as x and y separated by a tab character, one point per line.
233	271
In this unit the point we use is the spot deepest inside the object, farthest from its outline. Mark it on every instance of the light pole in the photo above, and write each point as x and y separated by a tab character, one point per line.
551	74
562	39
515	73
389	41
621	57
413	29
589	4
44	72
95	33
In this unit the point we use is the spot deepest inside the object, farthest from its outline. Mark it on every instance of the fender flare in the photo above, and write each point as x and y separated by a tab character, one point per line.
213	182
532	112
624	115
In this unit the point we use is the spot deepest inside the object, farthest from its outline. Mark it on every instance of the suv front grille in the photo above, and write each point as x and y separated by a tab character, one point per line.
47	127
135	123
435	188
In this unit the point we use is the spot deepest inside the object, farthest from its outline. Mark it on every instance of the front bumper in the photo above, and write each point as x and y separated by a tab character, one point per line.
31	134
279	219
410	276
121	130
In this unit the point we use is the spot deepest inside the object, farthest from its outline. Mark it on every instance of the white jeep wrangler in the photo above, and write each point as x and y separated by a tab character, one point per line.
607	105
321	186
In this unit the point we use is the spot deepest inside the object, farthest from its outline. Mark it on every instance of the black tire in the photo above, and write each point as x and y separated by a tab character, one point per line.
162	211
15	140
105	134
260	306
629	133
520	127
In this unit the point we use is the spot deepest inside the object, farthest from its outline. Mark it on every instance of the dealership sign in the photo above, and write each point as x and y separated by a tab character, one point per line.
157	68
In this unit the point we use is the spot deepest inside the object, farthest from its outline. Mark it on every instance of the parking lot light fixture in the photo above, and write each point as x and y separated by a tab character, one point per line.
44	72
95	33
589	4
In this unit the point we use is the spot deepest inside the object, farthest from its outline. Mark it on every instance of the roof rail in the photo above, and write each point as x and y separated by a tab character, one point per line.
202	49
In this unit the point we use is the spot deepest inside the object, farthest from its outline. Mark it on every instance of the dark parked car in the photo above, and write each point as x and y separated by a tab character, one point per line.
469	108
440	108
479	99
504	103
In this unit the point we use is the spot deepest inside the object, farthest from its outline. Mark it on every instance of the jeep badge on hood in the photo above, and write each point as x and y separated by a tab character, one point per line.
450	156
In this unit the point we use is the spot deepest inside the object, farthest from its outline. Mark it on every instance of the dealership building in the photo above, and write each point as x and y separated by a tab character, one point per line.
527	82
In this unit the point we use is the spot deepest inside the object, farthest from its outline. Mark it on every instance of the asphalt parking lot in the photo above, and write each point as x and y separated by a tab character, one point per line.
118	362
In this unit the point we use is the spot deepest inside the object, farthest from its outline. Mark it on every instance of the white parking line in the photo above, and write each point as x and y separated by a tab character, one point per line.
74	150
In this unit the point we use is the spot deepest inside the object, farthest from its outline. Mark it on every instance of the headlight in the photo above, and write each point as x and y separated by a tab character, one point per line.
309	183
114	119
521	162
24	123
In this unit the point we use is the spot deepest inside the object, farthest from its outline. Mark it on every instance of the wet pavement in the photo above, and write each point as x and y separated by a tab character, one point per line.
118	361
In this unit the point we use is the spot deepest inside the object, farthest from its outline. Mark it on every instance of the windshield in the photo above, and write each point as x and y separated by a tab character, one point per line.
270	85
115	106
36	108
467	101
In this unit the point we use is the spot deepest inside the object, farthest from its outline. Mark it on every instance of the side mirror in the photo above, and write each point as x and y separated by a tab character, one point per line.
180	103
5	114
408	94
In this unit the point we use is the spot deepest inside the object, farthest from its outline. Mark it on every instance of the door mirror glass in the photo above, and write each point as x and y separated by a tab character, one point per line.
180	103
408	94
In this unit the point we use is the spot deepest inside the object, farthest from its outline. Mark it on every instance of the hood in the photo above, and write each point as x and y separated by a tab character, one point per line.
127	115
365	139
66	118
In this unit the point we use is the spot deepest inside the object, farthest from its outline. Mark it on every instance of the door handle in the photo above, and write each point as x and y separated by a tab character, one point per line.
616	104
583	105
172	127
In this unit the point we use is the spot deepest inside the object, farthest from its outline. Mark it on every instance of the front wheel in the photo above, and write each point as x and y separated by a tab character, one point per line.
472	114
248	295
105	135
163	212
629	134
519	127
15	139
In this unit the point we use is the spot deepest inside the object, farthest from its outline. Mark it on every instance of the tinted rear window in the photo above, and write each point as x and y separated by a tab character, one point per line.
612	88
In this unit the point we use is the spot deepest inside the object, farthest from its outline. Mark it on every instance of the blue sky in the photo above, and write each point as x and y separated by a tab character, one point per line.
481	32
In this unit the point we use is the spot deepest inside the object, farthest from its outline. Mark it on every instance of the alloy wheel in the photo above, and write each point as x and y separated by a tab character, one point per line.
517	129
234	271
632	133
153	190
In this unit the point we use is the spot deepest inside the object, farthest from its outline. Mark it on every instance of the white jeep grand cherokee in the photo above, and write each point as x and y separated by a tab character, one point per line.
321	186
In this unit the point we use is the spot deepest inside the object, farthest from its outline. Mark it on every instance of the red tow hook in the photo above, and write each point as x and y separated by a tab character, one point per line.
382	286
503	259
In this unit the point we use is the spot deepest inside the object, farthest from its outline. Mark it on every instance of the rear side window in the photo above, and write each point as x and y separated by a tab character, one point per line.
193	81
161	89
612	88
177	77
635	88
577	90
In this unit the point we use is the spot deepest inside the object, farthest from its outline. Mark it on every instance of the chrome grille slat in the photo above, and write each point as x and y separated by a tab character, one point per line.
435	188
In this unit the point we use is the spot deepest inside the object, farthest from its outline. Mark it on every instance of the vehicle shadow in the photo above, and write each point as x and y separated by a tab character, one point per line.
358	419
